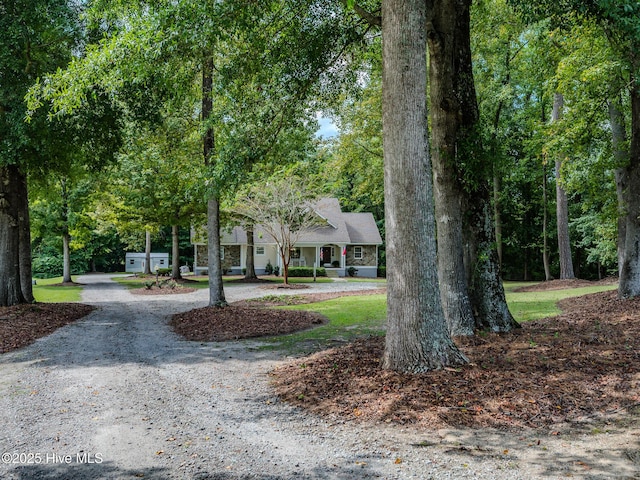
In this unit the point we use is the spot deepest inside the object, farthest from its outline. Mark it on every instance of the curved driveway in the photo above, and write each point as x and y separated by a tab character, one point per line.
117	395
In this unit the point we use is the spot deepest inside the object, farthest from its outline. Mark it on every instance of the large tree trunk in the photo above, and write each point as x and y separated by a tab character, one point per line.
487	293
621	155
10	220
216	289
250	272
417	337
24	234
175	253
147	252
448	194
629	285
562	205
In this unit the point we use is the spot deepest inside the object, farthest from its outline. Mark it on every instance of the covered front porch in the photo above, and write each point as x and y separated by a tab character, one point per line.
328	256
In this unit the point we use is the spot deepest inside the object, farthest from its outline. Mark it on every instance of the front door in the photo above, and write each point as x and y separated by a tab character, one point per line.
325	255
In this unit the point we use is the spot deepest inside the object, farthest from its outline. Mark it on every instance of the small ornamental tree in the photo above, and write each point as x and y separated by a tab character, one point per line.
283	208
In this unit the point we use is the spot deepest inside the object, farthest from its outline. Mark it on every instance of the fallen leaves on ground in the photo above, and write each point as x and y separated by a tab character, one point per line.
581	365
214	324
21	325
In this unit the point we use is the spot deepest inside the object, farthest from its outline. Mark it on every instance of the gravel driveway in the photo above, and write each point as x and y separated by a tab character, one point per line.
117	395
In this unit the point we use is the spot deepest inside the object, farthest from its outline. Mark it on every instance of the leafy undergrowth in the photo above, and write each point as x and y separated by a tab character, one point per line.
579	366
21	325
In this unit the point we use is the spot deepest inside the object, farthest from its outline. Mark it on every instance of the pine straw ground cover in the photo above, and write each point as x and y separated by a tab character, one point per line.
21	325
582	365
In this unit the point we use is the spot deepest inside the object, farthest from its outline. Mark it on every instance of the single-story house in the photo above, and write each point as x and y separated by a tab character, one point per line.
135	262
347	240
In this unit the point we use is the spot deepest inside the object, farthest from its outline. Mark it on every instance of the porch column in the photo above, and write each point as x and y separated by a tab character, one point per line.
316	259
343	258
243	257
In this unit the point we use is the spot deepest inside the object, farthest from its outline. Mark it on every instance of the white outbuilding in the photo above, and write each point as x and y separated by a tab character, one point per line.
135	262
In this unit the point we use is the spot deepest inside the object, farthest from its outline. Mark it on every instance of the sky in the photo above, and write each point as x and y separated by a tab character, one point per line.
327	128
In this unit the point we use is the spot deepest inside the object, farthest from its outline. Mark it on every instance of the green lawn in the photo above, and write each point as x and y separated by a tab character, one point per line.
349	318
355	316
527	306
46	291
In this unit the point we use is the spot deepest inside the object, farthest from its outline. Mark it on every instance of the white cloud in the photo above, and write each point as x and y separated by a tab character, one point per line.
327	129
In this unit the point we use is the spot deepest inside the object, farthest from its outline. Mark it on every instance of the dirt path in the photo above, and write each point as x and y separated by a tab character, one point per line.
119	396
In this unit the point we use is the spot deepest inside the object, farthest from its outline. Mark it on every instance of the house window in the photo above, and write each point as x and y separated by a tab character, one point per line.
162	261
333	252
221	253
132	261
259	250
357	253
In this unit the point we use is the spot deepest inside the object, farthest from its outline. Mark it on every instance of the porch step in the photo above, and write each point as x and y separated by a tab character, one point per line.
332	273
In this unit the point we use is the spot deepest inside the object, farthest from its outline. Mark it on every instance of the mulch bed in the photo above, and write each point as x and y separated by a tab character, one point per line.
215	324
21	325
304	299
154	290
581	365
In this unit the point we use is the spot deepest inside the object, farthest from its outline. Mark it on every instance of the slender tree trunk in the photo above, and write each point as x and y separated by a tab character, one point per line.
562	205
250	272
545	221
66	237
629	285
216	289
417	337
621	155
497	216
448	194
175	253
24	234
147	252
66	258
10	208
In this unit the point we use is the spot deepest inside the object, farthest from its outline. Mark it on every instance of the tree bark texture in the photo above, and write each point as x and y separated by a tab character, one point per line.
417	338
562	205
175	253
486	290
11	220
451	62
448	191
629	285
250	272
216	289
621	155
24	234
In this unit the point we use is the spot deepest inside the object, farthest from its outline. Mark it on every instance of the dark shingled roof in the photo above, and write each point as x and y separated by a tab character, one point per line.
343	228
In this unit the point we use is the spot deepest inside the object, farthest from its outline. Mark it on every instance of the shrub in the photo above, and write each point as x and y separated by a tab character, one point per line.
352	271
335	264
268	269
163	272
276	270
306	272
382	272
